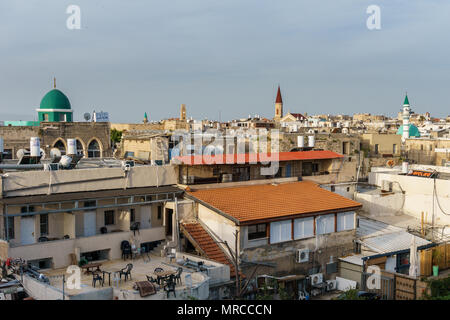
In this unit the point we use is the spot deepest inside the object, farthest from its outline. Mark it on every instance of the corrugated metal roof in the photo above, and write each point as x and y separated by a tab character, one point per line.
73	196
353	259
383	238
370	228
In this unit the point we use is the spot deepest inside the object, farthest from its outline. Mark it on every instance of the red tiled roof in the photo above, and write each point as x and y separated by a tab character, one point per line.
271	202
258	157
298	115
208	245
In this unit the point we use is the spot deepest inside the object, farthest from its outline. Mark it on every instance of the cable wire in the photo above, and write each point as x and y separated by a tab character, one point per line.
437	198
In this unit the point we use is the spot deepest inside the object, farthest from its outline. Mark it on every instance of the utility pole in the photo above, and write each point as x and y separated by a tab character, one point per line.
235	258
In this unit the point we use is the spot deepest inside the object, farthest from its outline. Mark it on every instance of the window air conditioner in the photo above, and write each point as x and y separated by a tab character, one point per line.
302	255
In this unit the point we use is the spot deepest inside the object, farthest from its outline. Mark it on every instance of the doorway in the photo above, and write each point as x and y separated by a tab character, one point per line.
169	214
90	218
307	169
27	230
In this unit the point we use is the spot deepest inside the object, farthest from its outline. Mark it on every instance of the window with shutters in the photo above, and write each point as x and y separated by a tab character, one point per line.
345	221
325	224
303	228
280	231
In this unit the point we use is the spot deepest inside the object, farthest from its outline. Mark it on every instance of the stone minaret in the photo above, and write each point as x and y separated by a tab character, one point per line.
183	112
406	116
278	106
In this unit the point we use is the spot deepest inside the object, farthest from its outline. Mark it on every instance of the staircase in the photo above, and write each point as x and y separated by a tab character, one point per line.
156	251
205	244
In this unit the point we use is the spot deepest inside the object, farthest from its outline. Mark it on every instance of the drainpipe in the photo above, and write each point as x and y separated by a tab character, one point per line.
177	227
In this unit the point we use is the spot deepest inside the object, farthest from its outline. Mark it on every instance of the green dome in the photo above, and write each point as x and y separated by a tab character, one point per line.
55	99
413	131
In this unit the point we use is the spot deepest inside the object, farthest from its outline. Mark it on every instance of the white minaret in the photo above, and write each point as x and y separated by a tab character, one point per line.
406	116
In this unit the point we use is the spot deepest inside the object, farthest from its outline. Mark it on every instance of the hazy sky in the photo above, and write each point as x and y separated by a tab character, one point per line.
225	57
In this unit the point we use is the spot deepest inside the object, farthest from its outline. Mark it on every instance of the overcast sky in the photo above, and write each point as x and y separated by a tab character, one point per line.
224	57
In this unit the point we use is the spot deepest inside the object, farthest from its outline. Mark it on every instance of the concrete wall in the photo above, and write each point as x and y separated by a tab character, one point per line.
385	143
221	226
381	204
59	250
78	180
139	147
419	195
219	274
283	254
41	291
102	294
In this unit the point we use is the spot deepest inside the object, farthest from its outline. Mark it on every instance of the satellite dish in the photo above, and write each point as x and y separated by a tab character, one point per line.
55	153
42	154
21	152
87	116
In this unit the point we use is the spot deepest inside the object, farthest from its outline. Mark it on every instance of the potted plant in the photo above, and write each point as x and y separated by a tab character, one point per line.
436	261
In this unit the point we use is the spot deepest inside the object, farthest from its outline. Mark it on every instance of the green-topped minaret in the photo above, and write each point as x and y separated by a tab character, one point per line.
406	102
55	107
407	130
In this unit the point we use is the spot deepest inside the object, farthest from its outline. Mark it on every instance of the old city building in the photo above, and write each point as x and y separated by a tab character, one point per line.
54	127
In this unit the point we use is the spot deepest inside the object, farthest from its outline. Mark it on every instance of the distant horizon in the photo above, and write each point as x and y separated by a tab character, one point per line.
78	117
224	58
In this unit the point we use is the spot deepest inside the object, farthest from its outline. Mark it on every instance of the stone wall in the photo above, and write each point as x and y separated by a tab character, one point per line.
16	137
423	151
3	250
283	254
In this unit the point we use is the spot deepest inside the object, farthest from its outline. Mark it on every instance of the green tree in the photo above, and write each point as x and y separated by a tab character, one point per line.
351	294
116	136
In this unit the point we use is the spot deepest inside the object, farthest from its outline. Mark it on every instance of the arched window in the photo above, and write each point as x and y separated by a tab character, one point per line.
94	149
79	147
60	145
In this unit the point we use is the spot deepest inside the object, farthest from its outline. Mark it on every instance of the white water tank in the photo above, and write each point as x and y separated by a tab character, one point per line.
405	167
301	141
71	146
311	141
35	147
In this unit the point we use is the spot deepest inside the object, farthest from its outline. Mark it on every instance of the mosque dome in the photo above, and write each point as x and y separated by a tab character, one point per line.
413	131
55	99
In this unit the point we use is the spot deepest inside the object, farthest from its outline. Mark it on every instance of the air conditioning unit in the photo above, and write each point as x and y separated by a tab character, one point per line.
331	285
316	278
302	255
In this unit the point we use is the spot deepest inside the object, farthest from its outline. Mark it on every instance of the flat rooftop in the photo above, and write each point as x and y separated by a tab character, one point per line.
141	268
